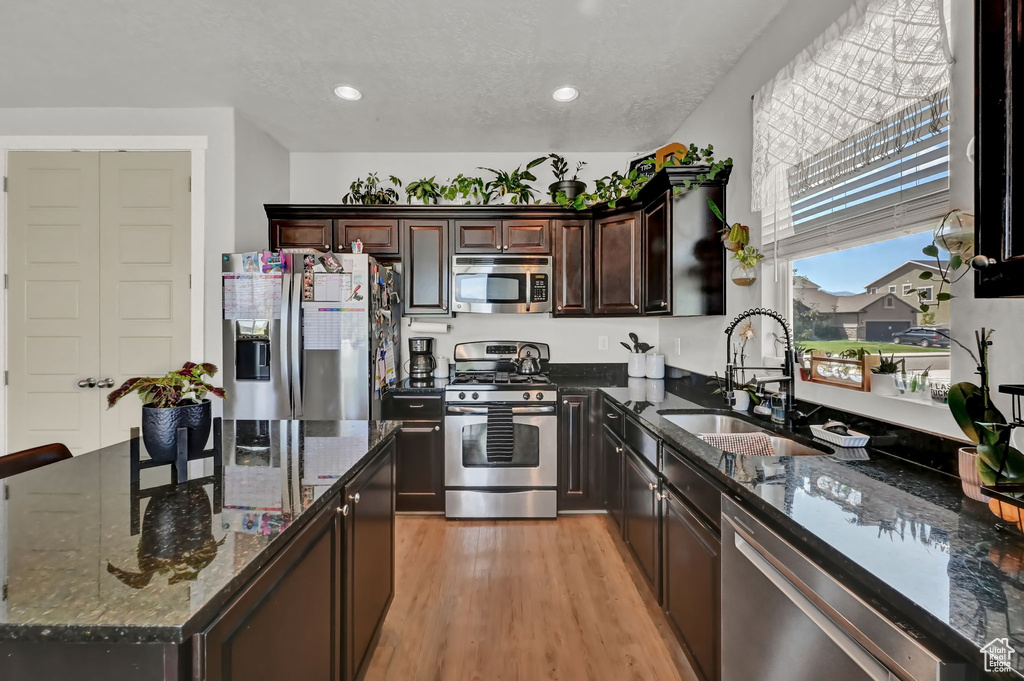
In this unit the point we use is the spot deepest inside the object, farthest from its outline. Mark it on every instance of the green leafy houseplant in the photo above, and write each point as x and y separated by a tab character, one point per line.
749	257
695	156
370	191
946	269
465	190
170	402
887	367
425	190
512	183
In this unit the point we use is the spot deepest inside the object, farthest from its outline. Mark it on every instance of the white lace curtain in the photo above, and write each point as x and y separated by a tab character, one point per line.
880	58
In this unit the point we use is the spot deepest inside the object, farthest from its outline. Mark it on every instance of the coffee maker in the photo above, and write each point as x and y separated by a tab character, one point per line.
421	359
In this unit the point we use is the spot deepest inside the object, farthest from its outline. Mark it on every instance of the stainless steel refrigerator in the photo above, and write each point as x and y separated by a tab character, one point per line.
308	335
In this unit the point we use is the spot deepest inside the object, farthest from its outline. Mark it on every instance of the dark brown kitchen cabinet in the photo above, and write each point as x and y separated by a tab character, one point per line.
379	237
426	264
419	467
578	464
370	568
657	257
300	234
999	142
612	451
617	266
572	257
295	604
691	551
642	516
503	236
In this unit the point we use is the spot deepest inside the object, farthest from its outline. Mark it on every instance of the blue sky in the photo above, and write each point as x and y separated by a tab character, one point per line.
852	269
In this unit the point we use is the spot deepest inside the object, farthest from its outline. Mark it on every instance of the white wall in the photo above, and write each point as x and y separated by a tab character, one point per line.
216	124
324	178
261	176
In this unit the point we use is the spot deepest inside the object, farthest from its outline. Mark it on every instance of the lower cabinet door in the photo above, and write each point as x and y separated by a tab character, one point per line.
370	580
578	472
613	456
286	623
691	550
419	467
643	519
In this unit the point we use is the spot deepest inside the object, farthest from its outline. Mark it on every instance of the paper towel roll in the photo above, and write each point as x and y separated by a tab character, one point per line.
428	327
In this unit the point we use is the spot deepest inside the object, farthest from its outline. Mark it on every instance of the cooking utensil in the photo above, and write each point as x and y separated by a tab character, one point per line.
626	345
636	341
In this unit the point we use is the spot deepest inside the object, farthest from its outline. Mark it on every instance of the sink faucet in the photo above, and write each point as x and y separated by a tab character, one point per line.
787	362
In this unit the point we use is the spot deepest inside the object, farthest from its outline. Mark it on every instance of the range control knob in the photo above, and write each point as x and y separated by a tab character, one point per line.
462	396
540	396
526	396
476	396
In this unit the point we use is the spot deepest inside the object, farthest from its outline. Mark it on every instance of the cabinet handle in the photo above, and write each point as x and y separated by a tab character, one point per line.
437	427
664	303
559	307
565	401
354	497
444	307
87	383
618	450
612	415
636	307
652	486
343	509
980	262
505	247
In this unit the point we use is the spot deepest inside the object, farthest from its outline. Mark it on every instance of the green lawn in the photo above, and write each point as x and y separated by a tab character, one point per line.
837	346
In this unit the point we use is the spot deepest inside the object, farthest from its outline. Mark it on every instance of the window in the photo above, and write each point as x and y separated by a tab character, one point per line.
927	294
892	289
907	288
889	303
873	291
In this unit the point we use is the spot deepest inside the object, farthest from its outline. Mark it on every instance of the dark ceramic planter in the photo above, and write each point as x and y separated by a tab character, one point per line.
572	188
160	428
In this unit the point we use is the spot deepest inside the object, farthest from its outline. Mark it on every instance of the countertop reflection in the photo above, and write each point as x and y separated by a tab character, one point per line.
88	555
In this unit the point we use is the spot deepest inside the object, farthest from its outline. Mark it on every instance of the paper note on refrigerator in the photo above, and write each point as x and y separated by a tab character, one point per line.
252	296
321	327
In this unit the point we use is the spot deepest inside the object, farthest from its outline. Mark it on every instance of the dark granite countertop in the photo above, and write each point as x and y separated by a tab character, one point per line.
913	544
76	572
410	387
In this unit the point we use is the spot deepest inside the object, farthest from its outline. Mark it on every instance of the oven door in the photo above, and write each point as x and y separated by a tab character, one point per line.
533	462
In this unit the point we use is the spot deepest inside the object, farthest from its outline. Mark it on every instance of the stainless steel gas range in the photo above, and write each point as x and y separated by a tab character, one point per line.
501	432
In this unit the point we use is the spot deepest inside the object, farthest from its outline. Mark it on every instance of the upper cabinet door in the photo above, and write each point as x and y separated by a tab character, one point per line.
572	267
300	234
478	236
657	258
426	267
526	236
999	94
617	267
379	237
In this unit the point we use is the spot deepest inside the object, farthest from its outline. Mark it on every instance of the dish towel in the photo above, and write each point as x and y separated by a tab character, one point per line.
750	444
500	434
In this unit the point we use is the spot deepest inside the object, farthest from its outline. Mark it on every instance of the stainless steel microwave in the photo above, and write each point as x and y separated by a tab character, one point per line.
501	283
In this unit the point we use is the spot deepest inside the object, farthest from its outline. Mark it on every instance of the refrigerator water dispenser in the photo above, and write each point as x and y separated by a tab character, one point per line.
252	349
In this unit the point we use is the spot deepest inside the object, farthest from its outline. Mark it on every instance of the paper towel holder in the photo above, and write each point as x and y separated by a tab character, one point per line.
427	327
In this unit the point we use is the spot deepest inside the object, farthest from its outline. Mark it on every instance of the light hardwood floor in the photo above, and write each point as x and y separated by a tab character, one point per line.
519	601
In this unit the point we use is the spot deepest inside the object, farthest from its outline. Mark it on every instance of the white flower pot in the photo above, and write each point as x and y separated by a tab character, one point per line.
884	384
742	400
970	480
637	365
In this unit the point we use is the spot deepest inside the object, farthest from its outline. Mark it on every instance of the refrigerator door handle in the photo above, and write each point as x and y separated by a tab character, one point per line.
284	351
296	349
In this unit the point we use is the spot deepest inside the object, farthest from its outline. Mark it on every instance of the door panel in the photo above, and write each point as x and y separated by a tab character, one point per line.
475	236
144	292
526	236
572	267
425	266
300	234
379	237
617	265
657	258
642	514
54	312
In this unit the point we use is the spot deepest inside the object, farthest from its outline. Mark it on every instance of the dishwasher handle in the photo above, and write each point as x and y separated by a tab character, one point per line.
875	669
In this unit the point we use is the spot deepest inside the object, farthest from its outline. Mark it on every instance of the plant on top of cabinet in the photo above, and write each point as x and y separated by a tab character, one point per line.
425	190
463	190
608	189
509	186
695	156
370	192
571	187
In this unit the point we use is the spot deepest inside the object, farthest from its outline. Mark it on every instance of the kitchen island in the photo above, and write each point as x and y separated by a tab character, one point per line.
278	564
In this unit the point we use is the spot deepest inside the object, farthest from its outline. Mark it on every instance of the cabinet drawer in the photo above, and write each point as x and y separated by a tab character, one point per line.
612	418
641	441
696	488
414	407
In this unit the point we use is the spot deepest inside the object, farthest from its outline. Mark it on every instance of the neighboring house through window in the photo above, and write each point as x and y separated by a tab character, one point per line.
892	289
890	303
907	288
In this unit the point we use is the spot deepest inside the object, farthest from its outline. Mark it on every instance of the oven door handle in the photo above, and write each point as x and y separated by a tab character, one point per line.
516	411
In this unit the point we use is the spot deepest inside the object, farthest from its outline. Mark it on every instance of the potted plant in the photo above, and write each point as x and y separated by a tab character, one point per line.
745	271
463	190
637	367
734	238
425	190
572	187
883	375
509	186
914	384
174	400
370	192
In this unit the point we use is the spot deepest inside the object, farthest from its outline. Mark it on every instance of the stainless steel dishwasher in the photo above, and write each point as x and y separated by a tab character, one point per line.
786	619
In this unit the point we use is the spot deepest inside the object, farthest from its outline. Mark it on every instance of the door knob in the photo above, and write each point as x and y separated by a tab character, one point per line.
105	383
87	383
437	427
354	497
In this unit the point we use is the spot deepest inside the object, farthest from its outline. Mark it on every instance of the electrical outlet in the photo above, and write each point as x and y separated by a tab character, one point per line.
679	346
602	342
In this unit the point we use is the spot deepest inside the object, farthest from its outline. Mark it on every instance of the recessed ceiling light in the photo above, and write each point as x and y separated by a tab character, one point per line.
566	93
348	92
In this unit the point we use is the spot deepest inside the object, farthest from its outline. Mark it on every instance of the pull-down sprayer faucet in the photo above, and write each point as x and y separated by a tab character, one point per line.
787	363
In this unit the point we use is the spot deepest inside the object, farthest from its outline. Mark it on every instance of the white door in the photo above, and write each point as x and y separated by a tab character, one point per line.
98	264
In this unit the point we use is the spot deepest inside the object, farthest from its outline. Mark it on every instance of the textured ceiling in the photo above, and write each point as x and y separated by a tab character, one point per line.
436	75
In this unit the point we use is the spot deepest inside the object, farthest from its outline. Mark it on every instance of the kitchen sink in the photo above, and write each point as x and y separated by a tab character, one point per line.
722	423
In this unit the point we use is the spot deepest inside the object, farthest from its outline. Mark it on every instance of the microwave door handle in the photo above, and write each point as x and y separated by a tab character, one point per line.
529	288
